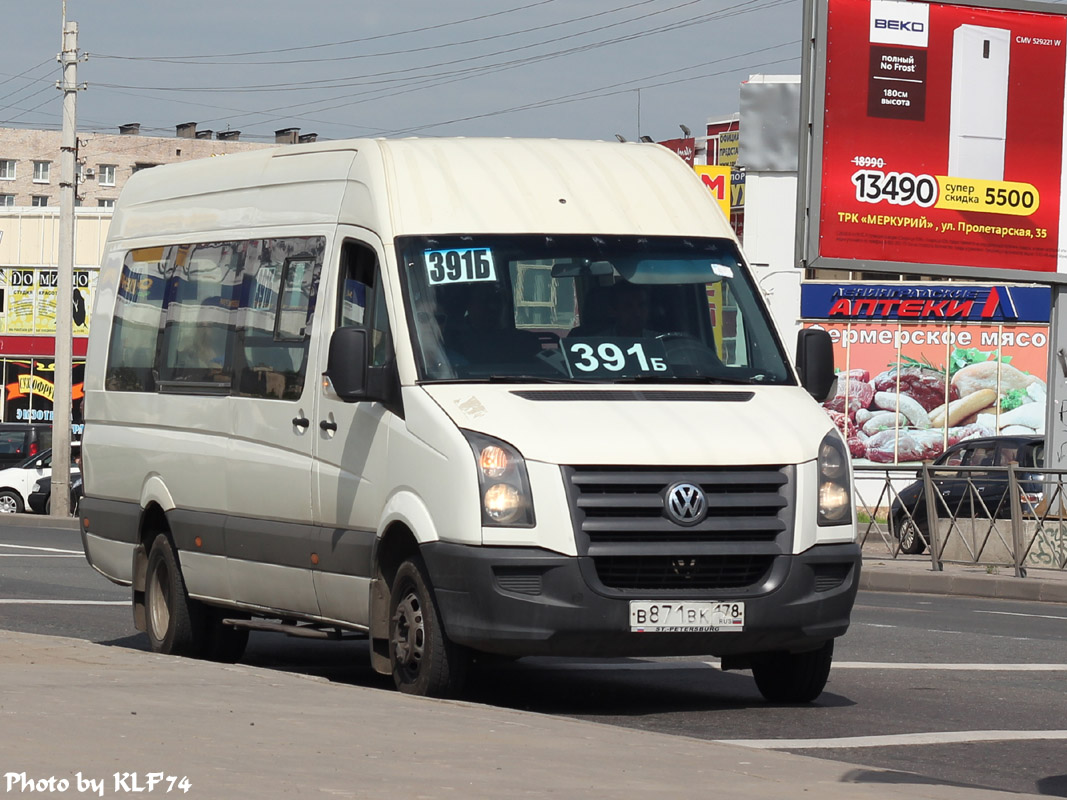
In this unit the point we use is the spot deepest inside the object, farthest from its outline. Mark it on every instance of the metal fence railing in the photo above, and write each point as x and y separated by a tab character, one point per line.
988	516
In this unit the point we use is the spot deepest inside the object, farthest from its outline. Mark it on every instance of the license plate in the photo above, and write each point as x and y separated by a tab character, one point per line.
647	616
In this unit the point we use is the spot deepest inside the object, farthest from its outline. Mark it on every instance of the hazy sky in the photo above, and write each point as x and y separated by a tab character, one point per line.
344	68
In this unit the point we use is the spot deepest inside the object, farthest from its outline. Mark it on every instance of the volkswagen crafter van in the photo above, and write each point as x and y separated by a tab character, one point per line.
460	397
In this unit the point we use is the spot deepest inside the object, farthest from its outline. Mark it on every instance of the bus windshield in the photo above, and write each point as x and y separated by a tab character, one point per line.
591	308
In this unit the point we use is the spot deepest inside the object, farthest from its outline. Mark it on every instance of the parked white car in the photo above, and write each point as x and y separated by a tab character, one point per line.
17	482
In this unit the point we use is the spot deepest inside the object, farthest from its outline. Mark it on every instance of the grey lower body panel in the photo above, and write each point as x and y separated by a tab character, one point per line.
526	601
279	566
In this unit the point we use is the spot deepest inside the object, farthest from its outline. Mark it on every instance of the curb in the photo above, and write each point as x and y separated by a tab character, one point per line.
993	586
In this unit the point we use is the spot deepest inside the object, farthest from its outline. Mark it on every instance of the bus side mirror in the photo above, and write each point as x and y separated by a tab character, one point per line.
815	363
346	364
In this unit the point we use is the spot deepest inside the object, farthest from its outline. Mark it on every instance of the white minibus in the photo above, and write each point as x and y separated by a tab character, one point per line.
461	397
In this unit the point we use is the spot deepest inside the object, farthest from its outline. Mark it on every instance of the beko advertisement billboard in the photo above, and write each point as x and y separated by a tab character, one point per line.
936	139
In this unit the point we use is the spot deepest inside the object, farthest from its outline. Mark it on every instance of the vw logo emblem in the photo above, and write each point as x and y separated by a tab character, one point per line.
686	504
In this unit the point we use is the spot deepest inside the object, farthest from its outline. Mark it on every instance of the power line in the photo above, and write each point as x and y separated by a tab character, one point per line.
331	44
359	80
603	91
409	50
428	82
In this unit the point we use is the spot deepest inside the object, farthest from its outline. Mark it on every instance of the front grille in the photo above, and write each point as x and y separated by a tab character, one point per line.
705	573
744	505
623	523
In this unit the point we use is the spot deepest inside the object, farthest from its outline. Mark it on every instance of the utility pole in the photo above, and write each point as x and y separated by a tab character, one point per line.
61	405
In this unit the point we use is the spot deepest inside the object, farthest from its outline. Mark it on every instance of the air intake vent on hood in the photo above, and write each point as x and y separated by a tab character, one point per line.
603	395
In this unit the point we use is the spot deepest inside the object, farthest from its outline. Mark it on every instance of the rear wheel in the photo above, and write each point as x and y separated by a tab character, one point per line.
423	660
793	677
11	502
176	625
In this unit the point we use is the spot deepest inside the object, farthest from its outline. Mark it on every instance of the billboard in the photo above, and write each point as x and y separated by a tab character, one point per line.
914	381
685	148
936	139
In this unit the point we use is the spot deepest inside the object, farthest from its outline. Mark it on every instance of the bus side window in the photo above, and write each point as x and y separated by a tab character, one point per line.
275	320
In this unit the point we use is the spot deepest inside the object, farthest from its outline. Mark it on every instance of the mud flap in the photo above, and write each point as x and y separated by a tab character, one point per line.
140	573
379	626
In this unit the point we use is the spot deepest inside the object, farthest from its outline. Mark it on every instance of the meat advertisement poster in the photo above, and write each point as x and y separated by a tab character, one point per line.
941	139
908	390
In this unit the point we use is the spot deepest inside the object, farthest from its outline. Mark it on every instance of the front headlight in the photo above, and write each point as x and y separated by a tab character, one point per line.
503	484
36	487
835	488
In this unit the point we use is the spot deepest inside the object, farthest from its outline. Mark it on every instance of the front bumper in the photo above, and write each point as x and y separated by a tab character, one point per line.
527	601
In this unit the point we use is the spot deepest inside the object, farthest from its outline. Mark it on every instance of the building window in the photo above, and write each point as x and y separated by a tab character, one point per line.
39	201
7	199
7	169
105	202
107	174
41	170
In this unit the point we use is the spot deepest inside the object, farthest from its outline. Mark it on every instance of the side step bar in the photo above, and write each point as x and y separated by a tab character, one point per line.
304	631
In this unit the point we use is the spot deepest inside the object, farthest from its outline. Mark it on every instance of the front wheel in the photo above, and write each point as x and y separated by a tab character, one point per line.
793	677
175	624
10	502
423	660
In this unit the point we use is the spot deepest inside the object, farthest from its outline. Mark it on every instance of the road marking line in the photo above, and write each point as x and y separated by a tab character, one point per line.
876	625
895	740
951	667
42	549
1020	614
714	664
42	555
29	602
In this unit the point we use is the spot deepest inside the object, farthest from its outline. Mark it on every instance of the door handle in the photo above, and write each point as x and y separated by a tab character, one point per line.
301	422
326	425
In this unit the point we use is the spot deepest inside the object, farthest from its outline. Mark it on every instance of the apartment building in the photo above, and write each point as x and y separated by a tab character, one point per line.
29	241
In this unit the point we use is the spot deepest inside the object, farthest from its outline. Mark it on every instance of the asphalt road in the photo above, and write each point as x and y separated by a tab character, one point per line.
920	682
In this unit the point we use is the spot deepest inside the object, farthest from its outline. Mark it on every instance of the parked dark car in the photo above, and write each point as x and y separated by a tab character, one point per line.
991	488
22	440
40	499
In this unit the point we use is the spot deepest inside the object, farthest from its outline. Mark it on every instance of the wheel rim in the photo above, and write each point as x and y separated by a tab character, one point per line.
159	602
907	537
409	635
8	505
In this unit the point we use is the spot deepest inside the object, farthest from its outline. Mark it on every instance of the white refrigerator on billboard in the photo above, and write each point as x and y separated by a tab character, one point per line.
979	107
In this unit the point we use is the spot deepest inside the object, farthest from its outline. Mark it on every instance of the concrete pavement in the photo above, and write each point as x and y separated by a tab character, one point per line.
71	710
79	712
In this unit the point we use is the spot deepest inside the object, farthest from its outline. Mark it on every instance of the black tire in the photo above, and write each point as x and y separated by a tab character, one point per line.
11	502
793	677
175	624
913	538
48	506
423	660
